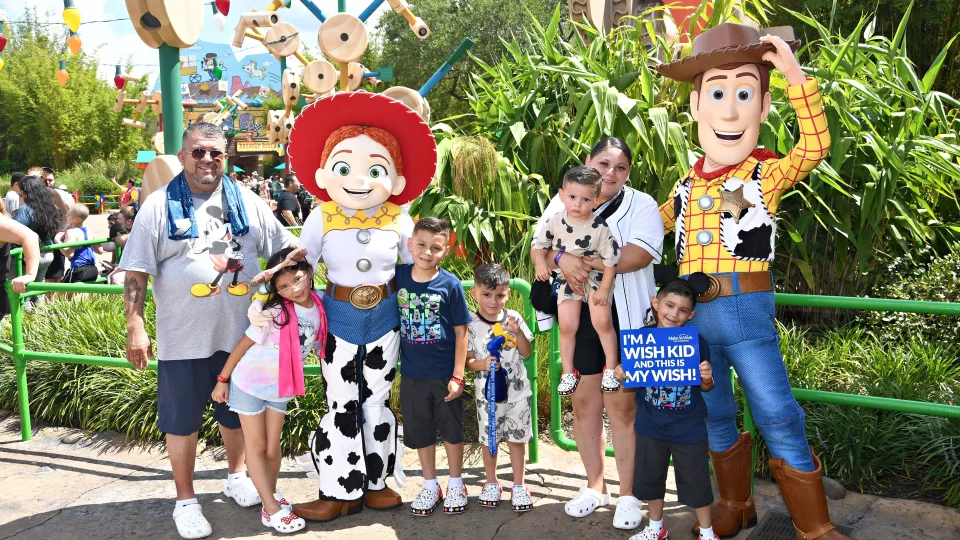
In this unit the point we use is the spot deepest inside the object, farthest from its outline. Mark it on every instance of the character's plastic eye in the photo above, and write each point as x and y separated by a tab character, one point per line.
745	94
717	93
377	171
341	168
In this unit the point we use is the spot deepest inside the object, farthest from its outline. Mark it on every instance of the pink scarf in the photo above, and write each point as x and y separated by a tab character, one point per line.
291	362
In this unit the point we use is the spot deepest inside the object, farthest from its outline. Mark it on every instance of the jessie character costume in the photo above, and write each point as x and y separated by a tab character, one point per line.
725	226
365	155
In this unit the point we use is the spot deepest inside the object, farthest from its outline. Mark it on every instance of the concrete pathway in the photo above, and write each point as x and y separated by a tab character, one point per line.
104	487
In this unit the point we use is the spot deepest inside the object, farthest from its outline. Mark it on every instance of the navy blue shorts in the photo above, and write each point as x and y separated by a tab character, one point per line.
183	392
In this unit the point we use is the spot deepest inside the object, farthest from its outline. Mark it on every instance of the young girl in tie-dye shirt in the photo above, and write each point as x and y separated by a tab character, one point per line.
265	371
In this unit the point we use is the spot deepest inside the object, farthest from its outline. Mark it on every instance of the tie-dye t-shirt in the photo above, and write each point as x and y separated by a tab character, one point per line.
257	372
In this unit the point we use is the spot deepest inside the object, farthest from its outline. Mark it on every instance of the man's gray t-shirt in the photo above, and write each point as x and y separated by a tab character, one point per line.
201	286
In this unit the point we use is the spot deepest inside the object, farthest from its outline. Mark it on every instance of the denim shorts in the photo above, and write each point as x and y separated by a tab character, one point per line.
243	403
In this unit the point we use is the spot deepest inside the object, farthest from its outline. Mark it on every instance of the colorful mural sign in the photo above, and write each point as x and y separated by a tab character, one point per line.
257	75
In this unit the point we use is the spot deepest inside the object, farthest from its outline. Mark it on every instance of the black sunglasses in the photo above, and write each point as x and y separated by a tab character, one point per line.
198	153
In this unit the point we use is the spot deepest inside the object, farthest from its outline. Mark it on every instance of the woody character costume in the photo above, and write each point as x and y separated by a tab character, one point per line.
364	155
724	211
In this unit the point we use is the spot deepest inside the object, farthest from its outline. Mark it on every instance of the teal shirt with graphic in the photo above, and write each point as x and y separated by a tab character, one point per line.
428	314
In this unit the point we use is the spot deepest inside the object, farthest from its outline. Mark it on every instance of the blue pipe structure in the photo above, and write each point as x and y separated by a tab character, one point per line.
465	45
315	10
370	9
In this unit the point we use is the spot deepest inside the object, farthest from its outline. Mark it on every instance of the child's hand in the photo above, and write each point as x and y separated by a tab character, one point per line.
454	390
490	360
618	371
595	263
599	296
543	273
512	325
706	376
220	392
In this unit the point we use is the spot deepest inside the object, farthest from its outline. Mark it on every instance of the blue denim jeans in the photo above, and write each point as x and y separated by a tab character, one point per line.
742	333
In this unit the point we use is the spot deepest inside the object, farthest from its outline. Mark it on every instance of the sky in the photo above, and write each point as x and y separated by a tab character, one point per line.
116	42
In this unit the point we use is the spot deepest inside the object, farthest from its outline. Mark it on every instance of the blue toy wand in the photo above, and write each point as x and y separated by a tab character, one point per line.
494	347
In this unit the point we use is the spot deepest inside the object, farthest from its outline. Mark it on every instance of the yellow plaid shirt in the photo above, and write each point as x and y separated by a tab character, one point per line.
778	175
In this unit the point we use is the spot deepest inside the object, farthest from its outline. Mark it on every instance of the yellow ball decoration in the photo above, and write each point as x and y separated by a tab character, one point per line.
1	63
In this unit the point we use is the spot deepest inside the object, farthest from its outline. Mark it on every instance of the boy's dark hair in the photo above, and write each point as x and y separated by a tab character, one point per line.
432	225
491	276
288	179
583	175
16	178
129	212
48	170
117	229
679	287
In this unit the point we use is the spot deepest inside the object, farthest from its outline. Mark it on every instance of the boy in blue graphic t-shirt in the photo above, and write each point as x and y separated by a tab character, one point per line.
671	420
433	350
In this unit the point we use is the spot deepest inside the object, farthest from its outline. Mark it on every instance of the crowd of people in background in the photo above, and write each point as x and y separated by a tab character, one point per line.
290	201
36	207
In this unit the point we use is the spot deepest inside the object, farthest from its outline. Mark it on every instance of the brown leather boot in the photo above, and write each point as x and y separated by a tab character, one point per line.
734	510
323	510
384	499
803	494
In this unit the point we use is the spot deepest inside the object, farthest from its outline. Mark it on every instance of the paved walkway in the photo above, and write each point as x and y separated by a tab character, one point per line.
104	487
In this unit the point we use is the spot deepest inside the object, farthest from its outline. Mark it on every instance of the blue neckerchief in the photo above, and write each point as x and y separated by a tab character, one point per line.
180	207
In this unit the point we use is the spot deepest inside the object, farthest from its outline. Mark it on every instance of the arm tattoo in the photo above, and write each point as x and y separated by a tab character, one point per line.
133	293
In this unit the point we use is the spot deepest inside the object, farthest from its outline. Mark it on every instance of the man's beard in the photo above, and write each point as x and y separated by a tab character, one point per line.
204	178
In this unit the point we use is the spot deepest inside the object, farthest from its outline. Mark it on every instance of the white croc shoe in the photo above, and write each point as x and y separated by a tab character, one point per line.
629	513
585	503
242	491
284	521
191	523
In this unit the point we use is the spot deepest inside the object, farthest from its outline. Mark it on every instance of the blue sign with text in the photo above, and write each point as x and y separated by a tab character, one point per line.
660	356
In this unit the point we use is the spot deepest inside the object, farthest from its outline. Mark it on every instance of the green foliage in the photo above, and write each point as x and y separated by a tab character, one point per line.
490	205
95	184
415	60
873	449
887	186
931	24
44	124
927	278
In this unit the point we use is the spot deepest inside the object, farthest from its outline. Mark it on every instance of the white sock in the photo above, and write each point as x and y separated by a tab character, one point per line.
519	487
233	477
706	532
278	495
432	485
454	483
657	526
186	502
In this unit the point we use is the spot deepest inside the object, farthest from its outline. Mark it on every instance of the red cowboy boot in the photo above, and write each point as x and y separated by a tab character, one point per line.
734	510
803	494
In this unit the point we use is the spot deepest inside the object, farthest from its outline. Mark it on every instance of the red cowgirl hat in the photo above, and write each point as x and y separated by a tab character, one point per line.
418	148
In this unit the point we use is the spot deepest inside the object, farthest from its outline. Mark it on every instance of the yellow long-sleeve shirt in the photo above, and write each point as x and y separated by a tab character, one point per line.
725	219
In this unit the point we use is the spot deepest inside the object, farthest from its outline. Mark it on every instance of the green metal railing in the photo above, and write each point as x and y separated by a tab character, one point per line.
802	394
21	354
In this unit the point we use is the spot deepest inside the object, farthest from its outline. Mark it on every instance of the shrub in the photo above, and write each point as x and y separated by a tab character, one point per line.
928	277
95	184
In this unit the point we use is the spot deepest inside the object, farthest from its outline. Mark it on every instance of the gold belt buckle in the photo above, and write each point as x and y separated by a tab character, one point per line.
366	296
713	290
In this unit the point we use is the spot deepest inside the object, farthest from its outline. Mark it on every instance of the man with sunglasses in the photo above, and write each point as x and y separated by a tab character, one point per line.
200	238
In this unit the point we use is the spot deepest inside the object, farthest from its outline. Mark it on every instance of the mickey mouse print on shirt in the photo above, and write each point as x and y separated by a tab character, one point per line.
420	316
225	251
669	397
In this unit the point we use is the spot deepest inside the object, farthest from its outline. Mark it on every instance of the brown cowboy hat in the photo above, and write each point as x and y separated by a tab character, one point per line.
724	44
